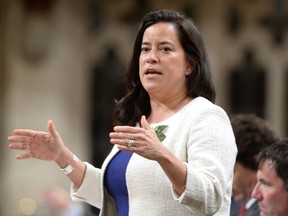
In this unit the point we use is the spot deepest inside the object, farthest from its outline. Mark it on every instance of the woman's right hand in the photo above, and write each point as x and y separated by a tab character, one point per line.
38	144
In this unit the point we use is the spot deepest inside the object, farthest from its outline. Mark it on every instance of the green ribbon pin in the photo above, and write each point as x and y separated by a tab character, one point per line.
159	131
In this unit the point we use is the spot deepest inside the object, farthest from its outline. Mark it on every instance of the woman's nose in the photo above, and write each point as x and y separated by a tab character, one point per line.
152	57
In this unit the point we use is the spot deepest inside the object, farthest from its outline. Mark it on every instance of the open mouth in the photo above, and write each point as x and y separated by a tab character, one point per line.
152	72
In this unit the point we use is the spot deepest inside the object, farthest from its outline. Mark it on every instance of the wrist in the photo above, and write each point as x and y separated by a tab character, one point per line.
63	158
69	168
66	158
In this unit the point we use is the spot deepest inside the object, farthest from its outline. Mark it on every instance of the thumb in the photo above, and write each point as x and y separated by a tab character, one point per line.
145	124
52	129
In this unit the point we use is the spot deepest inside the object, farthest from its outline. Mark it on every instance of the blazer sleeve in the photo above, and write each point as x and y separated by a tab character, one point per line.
211	153
91	189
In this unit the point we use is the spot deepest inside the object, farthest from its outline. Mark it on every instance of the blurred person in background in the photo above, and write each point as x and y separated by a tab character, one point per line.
252	135
58	202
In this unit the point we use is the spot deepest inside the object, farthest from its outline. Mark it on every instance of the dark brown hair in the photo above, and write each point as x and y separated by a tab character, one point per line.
252	135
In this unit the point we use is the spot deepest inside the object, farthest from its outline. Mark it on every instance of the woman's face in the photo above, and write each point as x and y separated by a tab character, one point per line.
163	66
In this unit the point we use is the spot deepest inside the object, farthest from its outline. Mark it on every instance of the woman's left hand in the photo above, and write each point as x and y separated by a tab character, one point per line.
141	140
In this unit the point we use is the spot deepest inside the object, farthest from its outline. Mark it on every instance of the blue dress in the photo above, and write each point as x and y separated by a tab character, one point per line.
115	181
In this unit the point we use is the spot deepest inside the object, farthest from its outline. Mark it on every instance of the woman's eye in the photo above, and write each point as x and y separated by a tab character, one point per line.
166	49
144	49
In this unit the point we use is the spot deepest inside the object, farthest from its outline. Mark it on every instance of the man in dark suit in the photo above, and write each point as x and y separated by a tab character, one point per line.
252	135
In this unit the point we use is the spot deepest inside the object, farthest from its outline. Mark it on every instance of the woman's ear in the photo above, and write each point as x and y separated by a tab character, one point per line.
190	68
188	72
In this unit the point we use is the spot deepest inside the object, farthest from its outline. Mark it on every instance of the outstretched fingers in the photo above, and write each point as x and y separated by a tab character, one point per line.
38	144
20	142
24	132
20	139
20	146
24	156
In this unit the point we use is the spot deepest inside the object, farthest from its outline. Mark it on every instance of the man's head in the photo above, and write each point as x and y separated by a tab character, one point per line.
271	189
252	135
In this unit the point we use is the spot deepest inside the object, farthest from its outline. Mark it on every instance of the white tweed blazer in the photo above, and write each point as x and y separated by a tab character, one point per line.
200	135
